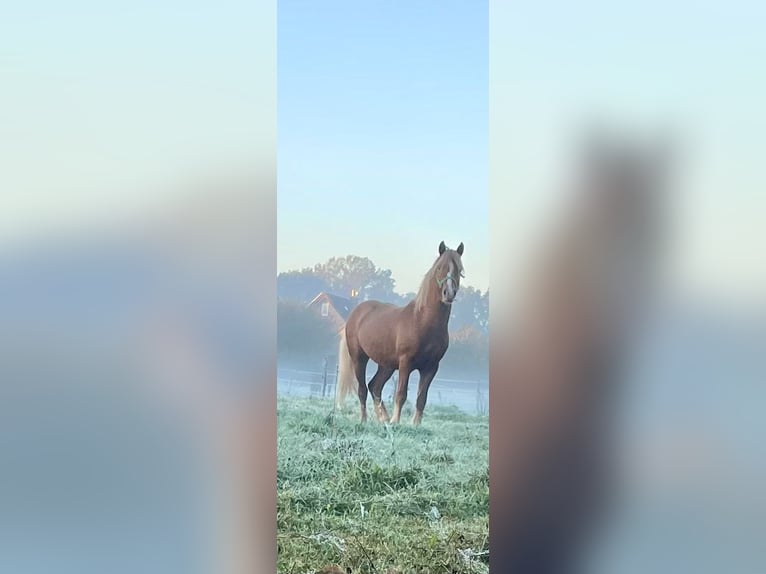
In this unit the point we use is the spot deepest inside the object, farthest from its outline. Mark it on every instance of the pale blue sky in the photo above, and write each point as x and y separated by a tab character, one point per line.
694	68
383	133
109	109
383	108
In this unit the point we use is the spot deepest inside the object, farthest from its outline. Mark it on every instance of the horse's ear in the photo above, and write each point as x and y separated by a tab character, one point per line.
460	249
442	248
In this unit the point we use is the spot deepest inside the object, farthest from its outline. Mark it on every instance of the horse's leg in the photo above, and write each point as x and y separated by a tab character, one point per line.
360	370
426	376
401	391
376	388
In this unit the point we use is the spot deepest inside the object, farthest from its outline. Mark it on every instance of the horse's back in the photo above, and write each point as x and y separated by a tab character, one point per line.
367	308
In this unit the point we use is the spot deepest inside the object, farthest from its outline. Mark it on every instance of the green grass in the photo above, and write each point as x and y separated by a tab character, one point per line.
377	498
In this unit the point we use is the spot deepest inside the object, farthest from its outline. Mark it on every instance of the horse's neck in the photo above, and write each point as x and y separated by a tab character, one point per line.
434	314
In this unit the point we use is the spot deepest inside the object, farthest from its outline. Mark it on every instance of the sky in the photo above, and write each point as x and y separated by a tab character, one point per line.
384	145
106	109
693	70
383	134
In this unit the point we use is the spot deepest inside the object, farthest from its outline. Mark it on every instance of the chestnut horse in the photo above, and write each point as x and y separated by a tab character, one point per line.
413	337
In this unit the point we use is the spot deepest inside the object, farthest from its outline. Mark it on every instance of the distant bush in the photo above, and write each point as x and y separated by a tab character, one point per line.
302	335
468	354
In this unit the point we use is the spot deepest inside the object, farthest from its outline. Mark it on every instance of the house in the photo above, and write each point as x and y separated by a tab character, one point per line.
332	307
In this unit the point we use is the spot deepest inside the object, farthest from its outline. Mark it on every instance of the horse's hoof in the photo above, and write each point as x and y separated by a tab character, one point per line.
382	414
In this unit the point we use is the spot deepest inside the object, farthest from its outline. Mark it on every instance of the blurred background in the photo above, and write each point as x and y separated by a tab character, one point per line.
137	265
686	82
138	257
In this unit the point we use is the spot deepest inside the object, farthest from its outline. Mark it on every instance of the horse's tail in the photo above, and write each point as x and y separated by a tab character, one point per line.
346	382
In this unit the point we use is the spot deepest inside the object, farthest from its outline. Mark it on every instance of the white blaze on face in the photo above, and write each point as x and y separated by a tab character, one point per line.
449	288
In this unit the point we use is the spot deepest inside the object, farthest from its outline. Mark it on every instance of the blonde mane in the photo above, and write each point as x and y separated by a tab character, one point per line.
428	285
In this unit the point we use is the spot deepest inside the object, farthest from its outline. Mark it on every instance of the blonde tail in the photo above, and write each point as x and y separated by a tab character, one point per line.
346	382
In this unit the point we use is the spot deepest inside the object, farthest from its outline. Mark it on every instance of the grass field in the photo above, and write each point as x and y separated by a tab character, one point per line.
381	499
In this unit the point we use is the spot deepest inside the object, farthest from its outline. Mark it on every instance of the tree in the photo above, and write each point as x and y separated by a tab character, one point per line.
468	353
482	312
470	309
353	273
300	286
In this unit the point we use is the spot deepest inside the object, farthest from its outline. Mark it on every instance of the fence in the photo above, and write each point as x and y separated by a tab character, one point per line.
470	396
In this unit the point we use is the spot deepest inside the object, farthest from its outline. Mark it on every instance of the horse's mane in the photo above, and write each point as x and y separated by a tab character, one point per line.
428	284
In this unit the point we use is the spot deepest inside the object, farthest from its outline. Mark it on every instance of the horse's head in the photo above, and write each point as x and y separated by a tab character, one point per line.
449	270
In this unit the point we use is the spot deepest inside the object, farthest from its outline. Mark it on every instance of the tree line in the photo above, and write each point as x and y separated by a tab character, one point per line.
304	338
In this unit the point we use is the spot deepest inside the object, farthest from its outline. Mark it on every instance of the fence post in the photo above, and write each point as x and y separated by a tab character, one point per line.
337	371
481	400
324	378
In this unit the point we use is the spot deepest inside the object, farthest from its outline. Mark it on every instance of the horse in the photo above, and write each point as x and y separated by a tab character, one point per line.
413	337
